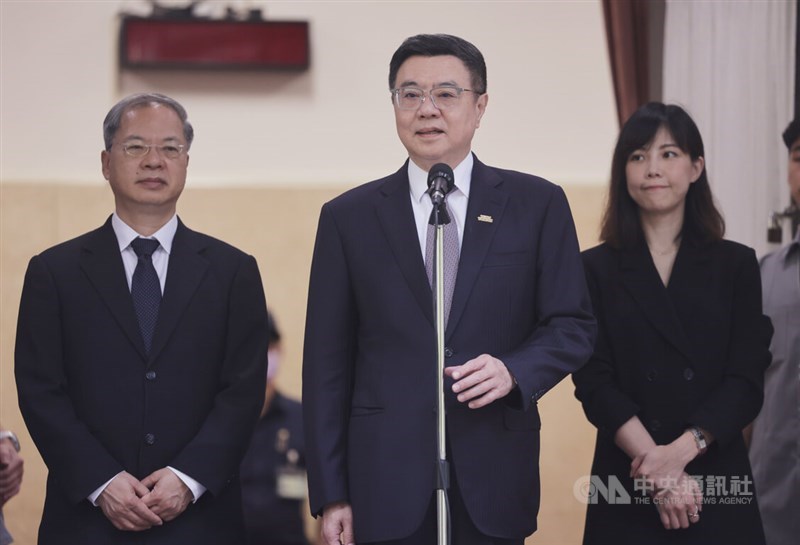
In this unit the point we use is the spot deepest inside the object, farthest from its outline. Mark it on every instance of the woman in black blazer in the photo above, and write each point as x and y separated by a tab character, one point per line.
678	368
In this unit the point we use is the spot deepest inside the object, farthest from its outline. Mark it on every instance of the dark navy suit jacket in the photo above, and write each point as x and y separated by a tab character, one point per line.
96	405
369	375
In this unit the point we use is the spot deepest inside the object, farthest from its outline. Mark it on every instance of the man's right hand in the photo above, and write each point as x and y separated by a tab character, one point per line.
122	504
337	524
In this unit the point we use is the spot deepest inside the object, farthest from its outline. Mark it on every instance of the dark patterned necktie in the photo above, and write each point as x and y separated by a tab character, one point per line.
146	289
450	259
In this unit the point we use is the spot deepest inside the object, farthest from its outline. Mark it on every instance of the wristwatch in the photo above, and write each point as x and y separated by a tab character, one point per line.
699	439
11	436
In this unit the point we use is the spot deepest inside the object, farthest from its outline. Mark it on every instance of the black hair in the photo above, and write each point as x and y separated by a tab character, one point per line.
792	133
432	45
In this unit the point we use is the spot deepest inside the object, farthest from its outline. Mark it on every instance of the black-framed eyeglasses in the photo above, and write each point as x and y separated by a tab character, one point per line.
443	97
139	150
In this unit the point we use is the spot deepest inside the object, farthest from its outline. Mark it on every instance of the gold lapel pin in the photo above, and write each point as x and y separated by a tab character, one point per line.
485	218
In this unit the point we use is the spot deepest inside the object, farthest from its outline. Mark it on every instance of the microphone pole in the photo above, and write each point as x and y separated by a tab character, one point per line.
440	182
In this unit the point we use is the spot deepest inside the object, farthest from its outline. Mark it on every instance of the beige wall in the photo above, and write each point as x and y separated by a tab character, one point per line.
272	147
277	226
551	108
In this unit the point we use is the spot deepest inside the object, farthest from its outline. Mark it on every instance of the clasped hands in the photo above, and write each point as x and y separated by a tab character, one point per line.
135	505
677	495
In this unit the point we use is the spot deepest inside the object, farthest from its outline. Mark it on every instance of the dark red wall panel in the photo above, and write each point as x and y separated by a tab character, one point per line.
214	44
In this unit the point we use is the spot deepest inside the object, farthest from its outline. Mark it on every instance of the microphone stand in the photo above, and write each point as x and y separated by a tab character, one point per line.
439	218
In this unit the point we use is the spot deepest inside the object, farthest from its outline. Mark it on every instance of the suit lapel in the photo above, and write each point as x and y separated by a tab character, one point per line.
185	271
397	221
691	282
102	263
642	281
486	198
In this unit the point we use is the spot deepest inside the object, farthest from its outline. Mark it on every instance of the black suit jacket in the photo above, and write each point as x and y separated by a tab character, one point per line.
369	375
95	405
693	353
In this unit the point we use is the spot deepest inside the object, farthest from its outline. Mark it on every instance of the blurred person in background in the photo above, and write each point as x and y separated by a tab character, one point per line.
775	442
273	472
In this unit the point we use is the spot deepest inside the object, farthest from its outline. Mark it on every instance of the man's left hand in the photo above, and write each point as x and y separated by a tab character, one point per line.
480	381
169	496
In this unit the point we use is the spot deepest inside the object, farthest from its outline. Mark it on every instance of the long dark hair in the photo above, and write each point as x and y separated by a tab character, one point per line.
621	227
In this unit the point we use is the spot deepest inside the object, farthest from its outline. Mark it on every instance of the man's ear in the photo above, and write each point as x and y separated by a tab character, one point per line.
105	158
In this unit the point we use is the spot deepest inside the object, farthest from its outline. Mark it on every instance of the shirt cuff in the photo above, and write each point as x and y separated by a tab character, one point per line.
196	488
96	494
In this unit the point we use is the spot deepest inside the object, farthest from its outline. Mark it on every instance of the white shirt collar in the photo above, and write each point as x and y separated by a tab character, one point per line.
125	233
418	178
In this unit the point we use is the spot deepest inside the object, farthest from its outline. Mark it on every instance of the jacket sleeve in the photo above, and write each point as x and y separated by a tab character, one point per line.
328	360
737	400
565	333
604	403
213	456
74	457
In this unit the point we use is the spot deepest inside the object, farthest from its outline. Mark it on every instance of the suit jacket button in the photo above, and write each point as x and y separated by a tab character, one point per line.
149	439
652	375
150	375
688	373
448	352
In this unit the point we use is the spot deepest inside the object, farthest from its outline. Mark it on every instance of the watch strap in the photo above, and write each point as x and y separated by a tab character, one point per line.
11	436
699	439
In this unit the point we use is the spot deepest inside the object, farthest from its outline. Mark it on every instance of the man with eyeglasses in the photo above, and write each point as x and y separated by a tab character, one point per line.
520	321
141	355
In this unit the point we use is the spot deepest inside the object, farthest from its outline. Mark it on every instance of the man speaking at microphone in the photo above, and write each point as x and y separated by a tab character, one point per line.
517	313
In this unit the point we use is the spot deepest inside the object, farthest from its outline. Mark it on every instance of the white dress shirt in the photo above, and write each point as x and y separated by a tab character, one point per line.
164	236
456	199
